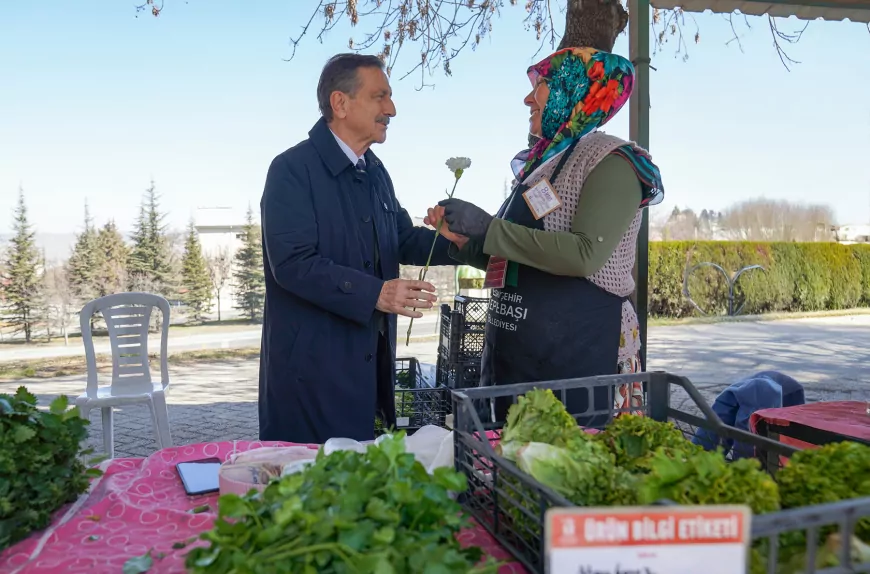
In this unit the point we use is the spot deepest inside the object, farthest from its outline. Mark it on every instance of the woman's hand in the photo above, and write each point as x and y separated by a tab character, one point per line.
434	217
466	218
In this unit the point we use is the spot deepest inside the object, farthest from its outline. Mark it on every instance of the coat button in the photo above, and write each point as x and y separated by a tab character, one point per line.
348	285
367	264
366	219
369	358
385	206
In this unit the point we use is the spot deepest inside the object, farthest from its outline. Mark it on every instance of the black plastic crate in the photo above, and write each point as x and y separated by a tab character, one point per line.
457	375
408	373
460	341
472	309
416	408
511	505
417	404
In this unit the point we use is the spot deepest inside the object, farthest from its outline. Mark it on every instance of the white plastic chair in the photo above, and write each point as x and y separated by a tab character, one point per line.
127	317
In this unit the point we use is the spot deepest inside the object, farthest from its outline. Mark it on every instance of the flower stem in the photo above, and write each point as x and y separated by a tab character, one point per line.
425	269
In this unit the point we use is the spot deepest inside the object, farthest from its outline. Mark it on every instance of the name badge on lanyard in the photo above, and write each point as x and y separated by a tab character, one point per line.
542	199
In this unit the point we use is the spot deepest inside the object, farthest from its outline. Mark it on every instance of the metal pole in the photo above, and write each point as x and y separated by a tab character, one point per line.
639	26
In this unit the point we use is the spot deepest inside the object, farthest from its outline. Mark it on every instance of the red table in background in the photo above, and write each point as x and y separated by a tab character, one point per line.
140	504
815	424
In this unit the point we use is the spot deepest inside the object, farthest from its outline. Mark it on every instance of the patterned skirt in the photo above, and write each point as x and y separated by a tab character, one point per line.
630	396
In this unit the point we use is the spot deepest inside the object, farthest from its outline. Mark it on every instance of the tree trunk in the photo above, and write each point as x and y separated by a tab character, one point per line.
593	24
219	304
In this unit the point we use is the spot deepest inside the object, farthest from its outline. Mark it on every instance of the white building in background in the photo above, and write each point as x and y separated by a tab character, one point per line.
220	232
848	234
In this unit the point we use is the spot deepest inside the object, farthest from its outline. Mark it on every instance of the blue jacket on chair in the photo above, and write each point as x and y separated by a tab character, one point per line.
734	405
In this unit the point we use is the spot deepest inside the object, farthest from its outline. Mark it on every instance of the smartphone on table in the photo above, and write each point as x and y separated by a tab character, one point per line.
199	476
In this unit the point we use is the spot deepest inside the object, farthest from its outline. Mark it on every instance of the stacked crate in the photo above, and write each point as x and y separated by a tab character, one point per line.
460	347
417	404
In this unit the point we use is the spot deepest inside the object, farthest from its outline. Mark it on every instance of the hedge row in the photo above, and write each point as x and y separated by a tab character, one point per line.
797	277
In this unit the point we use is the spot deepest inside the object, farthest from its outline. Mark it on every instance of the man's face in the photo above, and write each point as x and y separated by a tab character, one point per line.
367	113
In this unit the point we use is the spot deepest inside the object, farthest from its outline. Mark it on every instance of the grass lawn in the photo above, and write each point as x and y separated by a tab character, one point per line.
181	330
65	366
665	322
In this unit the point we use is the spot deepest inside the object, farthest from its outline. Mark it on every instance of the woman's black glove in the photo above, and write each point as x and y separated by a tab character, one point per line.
466	218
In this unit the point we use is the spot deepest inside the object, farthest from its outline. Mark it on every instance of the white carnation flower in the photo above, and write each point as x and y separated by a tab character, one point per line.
458	164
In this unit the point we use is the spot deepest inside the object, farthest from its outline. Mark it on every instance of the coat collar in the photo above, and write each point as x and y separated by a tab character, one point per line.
331	153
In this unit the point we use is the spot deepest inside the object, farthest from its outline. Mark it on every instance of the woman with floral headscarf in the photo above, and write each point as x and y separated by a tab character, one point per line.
559	254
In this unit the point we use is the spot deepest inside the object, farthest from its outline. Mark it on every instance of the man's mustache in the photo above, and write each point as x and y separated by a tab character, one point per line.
383	120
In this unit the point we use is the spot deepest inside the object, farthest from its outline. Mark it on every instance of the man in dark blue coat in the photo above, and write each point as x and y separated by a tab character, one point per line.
333	238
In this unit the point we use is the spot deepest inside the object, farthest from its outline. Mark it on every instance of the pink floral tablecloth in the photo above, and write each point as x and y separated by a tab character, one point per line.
140	505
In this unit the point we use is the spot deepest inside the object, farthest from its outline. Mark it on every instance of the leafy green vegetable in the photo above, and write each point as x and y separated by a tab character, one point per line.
833	472
538	416
633	440
138	564
404	401
585	475
404	380
705	477
40	469
836	471
376	512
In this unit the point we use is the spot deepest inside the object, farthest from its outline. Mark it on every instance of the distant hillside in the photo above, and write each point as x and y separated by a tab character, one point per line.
57	246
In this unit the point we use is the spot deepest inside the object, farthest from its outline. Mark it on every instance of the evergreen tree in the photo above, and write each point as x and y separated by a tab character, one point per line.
113	273
194	276
249	280
21	283
85	262
149	263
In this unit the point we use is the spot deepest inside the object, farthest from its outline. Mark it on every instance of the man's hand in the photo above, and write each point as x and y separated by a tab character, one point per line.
466	218
434	217
403	296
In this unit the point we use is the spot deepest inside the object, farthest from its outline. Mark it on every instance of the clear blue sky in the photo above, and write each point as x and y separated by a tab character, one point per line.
95	102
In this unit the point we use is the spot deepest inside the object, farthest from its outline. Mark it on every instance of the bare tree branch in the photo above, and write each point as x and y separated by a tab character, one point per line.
153	6
779	37
736	37
778	220
441	29
667	24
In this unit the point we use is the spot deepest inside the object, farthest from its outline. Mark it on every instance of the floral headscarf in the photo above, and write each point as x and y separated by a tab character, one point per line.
587	88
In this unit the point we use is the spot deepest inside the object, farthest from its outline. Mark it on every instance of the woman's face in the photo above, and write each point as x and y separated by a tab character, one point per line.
536	100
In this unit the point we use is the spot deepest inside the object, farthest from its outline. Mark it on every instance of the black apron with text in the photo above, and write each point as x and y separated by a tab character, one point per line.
544	327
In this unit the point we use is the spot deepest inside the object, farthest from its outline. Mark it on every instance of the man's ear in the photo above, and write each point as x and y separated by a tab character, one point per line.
338	101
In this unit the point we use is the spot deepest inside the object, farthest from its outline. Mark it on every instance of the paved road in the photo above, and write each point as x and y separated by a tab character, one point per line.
217	401
828	355
219	339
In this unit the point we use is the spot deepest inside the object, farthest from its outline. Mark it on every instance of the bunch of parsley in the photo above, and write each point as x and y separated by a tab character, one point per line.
40	465
377	512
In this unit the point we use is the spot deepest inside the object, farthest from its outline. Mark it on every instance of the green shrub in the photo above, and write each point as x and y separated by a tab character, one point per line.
862	254
797	277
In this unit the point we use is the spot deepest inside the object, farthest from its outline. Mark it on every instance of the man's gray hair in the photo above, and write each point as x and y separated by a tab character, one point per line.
340	75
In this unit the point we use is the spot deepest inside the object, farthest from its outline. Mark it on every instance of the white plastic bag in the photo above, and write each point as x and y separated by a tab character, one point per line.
256	468
432	446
